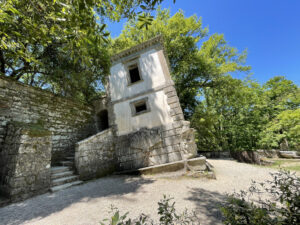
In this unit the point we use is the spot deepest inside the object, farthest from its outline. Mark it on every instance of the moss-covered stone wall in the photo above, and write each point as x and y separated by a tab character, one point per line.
67	120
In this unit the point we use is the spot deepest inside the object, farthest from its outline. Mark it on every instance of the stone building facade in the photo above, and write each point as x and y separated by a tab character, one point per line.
45	140
141	114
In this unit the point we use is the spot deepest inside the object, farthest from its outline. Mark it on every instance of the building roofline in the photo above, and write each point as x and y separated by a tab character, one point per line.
137	48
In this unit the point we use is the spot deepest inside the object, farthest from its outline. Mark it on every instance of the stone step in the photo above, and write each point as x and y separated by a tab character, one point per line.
64	180
64	186
62	174
66	163
59	169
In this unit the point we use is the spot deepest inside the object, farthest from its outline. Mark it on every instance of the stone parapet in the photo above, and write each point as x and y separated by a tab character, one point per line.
94	156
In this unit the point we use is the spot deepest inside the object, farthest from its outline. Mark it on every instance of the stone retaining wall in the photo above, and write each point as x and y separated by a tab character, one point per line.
94	156
25	162
148	147
103	153
67	120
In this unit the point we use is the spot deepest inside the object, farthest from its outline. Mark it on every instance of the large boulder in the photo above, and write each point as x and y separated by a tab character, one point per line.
246	156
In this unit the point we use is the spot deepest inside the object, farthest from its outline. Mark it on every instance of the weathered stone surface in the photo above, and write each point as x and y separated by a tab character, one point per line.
215	154
69	121
268	153
25	162
288	154
148	147
94	156
97	155
246	156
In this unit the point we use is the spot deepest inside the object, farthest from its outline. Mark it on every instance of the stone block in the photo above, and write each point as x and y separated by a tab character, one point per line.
163	168
172	140
173	99
197	164
174	156
169	89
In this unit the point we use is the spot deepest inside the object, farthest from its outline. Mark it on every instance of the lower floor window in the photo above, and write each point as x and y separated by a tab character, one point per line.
139	106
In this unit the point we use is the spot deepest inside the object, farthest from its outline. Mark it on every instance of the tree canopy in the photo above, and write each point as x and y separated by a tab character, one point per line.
61	45
227	113
64	46
192	67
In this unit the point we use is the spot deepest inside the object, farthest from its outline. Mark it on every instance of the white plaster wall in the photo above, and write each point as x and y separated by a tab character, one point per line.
157	116
151	72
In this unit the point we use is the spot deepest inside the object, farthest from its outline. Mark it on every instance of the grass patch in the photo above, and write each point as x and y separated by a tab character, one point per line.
288	164
294	168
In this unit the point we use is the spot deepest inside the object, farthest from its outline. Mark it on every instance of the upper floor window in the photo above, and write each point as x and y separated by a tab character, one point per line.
134	73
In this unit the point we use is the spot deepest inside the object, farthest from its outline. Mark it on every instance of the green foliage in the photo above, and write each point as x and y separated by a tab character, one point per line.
228	113
242	115
227	118
167	216
281	101
282	207
60	45
32	129
192	68
285	127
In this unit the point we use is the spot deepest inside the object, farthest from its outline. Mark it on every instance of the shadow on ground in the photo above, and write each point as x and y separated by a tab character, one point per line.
42	206
208	205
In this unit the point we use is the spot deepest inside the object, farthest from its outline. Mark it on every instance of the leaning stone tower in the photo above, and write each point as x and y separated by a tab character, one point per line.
144	109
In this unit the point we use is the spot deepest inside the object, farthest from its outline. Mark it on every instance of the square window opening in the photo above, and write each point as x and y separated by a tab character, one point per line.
134	74
139	106
142	107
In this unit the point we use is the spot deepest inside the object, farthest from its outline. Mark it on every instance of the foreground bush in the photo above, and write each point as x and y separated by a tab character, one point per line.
167	216
283	206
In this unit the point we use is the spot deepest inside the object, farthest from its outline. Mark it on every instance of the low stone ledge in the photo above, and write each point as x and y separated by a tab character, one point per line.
163	168
289	154
196	165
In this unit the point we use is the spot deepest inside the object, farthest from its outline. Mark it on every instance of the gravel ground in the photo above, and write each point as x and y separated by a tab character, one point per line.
90	203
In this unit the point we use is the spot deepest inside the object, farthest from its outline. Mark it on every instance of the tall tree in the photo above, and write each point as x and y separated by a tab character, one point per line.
281	108
60	44
283	131
192	67
228	117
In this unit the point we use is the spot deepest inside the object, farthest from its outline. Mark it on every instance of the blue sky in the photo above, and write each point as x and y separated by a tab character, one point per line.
269	29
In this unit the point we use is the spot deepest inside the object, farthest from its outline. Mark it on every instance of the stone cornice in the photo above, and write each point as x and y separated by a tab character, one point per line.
151	90
137	48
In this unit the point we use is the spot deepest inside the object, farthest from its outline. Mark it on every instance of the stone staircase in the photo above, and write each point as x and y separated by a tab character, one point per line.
63	176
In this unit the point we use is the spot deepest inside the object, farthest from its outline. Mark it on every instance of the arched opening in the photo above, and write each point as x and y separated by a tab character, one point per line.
102	120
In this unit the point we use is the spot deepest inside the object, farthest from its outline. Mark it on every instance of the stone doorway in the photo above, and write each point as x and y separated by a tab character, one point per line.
102	120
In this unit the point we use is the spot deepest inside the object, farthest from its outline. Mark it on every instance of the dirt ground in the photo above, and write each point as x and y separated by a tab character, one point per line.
90	203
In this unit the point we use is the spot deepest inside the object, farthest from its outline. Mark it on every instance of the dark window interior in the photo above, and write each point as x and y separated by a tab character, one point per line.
134	74
102	118
140	107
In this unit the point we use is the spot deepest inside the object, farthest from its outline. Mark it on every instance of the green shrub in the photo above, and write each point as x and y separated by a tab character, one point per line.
281	207
166	211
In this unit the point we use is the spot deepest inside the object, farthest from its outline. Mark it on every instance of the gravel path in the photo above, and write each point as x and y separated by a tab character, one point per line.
90	203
